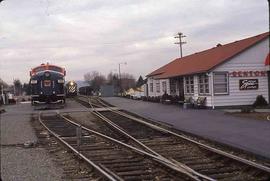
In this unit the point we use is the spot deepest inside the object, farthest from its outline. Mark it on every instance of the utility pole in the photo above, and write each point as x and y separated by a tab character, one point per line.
120	86
3	96
180	36
14	88
119	68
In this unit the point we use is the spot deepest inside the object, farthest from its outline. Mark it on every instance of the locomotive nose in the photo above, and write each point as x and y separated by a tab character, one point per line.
47	74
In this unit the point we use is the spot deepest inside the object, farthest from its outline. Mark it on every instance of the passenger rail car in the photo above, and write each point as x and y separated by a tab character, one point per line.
47	84
71	89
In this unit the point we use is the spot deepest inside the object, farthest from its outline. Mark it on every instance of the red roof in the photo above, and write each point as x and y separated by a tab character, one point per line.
267	60
206	60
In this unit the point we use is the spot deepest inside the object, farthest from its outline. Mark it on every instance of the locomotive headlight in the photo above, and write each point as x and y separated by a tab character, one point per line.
71	83
33	81
61	81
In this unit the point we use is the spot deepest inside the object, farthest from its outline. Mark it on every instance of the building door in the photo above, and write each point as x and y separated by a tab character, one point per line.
181	88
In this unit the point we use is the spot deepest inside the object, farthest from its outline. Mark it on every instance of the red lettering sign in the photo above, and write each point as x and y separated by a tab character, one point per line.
245	74
248	73
263	73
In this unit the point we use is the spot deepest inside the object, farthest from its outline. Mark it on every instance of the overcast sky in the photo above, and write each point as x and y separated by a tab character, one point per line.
87	35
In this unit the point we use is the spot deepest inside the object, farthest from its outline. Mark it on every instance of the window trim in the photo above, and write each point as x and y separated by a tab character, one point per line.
228	83
164	83
158	86
151	87
209	88
172	86
185	84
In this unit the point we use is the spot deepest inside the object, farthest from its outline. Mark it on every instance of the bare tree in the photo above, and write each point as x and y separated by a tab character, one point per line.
17	86
112	79
5	85
94	79
88	77
26	88
127	81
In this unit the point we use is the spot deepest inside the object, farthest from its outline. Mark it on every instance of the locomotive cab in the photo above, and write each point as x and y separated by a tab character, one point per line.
47	84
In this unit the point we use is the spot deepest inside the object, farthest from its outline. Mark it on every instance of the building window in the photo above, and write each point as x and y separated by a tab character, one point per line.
221	83
172	86
203	84
158	86
189	82
151	87
164	86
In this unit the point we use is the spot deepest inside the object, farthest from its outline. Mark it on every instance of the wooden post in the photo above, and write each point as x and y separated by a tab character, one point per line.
79	136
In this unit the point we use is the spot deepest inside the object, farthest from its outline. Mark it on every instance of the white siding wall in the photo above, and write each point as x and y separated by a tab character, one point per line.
167	86
154	81
196	90
250	60
145	89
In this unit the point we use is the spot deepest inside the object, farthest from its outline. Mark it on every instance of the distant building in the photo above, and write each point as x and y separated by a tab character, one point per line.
226	75
135	93
108	91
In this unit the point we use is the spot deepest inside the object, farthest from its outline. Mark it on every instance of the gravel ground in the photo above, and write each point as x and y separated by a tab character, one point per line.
16	129
18	163
27	164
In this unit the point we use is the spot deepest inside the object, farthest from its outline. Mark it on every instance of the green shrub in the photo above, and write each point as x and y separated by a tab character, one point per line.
260	101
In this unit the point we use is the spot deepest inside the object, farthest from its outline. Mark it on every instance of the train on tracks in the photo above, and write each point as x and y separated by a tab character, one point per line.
71	89
47	84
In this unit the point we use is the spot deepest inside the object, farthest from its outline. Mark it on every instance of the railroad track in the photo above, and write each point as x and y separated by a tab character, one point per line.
112	158
201	158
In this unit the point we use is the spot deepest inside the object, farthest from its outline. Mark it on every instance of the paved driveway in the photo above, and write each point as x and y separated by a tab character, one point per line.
247	134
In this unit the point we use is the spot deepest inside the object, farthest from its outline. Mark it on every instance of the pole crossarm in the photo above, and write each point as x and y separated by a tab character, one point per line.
180	42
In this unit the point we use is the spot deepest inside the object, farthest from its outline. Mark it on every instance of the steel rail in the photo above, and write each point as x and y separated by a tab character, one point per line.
223	153
147	148
92	103
165	162
174	162
118	128
98	168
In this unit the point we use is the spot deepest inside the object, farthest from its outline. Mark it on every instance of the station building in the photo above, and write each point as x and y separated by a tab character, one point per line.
232	74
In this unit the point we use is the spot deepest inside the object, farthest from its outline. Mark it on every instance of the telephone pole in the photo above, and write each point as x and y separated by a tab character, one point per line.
120	82
180	36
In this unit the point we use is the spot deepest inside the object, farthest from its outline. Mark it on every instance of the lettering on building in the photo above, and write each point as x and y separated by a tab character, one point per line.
248	74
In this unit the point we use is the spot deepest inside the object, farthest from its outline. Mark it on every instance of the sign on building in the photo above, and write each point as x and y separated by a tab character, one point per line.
248	74
248	84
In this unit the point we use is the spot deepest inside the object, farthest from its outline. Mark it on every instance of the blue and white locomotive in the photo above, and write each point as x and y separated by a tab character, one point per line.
47	84
71	89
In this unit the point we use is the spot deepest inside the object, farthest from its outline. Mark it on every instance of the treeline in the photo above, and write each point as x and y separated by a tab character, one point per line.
17	88
123	82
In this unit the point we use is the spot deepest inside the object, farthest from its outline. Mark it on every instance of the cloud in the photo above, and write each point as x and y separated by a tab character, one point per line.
96	35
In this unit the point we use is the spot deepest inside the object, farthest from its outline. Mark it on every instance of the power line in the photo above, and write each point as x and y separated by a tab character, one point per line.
180	36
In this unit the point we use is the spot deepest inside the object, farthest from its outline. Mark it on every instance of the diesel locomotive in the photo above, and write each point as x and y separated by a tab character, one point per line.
47	84
71	89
